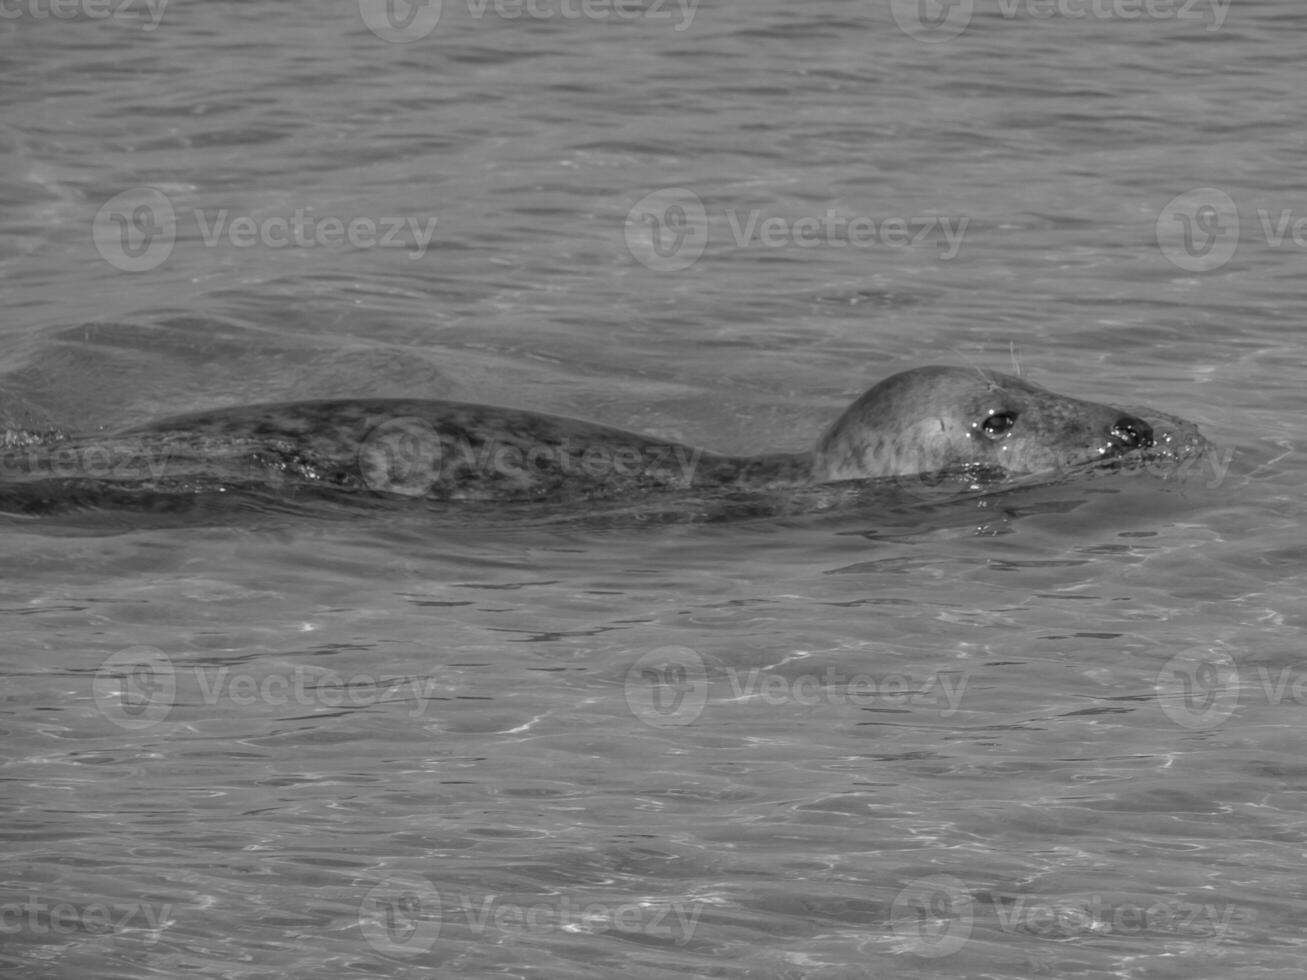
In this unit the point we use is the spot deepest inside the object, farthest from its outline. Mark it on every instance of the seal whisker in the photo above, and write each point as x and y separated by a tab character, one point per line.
985	376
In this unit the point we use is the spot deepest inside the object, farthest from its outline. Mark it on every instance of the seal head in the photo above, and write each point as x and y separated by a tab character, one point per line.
973	422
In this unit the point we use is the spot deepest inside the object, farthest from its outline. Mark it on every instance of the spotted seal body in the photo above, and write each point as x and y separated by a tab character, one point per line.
978	425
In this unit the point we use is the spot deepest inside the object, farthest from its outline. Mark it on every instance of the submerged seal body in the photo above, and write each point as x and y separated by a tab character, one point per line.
976	425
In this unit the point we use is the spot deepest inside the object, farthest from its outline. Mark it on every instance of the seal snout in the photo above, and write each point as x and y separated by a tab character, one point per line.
1129	432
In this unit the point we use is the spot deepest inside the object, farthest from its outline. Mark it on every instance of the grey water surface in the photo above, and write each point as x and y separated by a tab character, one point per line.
1053	732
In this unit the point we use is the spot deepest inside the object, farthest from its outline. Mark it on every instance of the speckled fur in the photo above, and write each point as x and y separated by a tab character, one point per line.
918	421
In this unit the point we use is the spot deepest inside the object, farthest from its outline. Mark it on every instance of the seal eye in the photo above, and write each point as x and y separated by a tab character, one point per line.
998	424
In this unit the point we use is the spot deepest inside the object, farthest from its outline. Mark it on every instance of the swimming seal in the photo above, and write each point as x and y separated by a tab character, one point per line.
975	425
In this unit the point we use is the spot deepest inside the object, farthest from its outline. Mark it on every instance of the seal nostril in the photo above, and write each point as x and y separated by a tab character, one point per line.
1129	432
